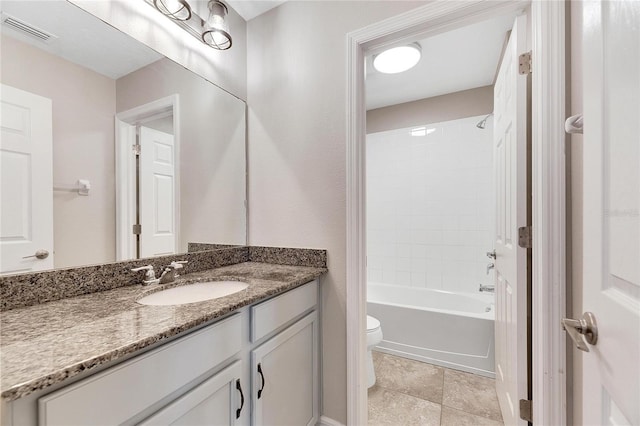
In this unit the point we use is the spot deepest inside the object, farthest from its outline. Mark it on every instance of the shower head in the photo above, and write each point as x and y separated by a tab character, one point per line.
483	122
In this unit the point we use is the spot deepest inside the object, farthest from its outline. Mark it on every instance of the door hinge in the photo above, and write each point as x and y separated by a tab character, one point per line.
526	410
136	149
525	237
524	60
137	229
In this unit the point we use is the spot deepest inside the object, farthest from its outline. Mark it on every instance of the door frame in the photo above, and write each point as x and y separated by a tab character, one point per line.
126	171
548	189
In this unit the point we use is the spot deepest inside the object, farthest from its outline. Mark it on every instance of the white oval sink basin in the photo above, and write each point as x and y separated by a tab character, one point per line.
192	293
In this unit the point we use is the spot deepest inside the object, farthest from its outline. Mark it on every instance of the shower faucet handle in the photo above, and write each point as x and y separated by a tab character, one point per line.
491	254
490	267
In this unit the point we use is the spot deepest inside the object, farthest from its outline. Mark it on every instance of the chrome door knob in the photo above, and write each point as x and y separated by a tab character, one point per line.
40	254
585	326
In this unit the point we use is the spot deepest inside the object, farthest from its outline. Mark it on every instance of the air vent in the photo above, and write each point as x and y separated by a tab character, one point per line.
22	27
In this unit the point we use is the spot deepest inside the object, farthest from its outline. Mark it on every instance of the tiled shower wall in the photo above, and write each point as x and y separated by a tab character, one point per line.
430	202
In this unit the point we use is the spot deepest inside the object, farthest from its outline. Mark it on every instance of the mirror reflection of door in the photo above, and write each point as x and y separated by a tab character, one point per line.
147	187
156	193
26	182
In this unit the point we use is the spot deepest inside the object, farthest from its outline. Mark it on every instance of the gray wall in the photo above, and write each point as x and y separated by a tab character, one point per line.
296	84
452	106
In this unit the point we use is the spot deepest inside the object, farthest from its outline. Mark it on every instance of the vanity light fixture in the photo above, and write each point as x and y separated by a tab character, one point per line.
213	32
174	9
397	59
216	29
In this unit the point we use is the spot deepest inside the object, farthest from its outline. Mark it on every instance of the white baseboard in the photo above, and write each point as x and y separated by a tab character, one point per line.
327	421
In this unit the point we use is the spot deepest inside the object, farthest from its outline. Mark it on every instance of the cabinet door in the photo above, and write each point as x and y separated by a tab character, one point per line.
285	376
217	401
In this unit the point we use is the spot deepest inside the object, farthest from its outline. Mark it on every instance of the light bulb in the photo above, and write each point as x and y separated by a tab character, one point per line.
397	59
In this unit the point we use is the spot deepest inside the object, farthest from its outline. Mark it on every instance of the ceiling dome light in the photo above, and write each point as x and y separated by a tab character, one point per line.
397	59
174	9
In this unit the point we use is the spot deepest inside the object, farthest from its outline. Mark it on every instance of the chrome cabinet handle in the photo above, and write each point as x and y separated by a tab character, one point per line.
40	254
239	388
262	379
585	326
491	254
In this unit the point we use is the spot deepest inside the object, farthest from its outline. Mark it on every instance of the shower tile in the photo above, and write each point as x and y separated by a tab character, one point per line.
471	393
408	376
390	408
452	417
418	279
403	278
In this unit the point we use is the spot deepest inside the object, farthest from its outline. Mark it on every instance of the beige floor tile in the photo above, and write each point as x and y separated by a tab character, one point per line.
471	393
408	376
389	408
453	417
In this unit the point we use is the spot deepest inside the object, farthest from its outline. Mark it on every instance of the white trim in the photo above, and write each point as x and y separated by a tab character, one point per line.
549	213
548	186
125	168
327	421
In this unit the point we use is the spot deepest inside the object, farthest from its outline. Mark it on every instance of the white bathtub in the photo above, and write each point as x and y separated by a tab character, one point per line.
453	330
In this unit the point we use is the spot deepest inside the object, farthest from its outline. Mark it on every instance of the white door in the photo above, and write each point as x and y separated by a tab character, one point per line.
26	182
611	263
219	401
157	193
510	163
284	372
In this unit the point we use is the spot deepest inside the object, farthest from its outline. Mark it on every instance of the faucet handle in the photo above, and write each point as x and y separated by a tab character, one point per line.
149	276
490	267
177	264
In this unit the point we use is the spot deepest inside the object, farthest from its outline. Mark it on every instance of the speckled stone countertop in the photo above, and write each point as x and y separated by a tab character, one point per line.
45	344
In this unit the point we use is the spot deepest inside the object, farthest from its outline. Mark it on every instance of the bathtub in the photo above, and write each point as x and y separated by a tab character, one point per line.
454	330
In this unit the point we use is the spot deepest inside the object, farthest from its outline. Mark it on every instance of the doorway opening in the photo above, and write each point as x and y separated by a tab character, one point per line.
147	180
445	197
548	186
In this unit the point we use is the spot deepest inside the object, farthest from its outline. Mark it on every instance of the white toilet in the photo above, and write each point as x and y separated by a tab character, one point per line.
374	336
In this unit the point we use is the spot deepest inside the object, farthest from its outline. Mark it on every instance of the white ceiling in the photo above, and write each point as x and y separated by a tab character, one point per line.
457	60
81	38
249	9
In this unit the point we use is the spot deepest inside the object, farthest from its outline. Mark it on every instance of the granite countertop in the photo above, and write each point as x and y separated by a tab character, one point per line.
45	344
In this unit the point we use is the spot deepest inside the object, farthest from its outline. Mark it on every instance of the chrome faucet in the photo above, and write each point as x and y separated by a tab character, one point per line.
487	288
170	273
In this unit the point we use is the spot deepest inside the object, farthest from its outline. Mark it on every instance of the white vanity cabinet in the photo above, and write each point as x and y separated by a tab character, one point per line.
130	391
212	403
258	366
284	369
284	376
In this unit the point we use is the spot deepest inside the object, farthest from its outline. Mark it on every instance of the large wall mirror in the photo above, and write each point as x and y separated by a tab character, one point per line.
109	151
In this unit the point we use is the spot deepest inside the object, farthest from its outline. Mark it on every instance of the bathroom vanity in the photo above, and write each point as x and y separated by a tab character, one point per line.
248	358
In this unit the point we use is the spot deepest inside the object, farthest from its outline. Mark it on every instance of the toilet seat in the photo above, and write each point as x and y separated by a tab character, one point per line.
372	324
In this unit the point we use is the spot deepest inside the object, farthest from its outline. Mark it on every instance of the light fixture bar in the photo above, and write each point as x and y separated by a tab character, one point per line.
195	25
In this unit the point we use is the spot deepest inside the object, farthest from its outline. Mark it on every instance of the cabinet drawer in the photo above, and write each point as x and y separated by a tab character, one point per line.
274	313
121	392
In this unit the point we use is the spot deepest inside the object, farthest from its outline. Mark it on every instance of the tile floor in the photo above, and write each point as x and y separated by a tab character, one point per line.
411	393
